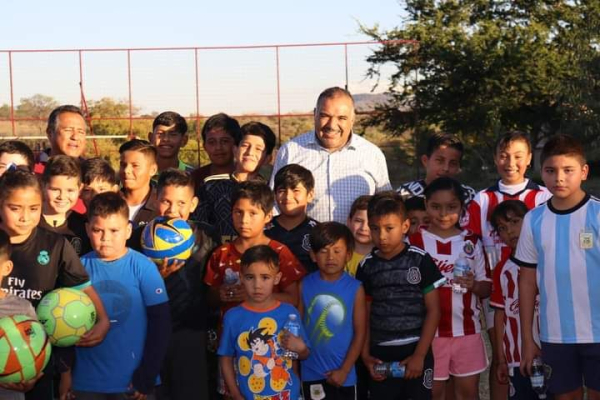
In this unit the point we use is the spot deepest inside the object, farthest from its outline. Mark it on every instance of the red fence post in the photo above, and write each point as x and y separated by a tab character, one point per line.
278	96
12	101
130	101
197	104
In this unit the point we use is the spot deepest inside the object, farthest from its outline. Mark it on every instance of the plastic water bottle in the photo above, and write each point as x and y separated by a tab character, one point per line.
461	267
292	326
491	252
390	369
538	377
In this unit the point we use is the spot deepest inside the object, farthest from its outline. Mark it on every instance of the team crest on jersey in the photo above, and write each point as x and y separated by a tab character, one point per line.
306	242
77	245
413	276
43	258
428	378
469	248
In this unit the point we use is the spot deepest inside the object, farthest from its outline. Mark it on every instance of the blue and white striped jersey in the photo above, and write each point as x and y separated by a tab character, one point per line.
564	247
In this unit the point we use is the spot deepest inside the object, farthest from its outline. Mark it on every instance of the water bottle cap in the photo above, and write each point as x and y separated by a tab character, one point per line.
292	317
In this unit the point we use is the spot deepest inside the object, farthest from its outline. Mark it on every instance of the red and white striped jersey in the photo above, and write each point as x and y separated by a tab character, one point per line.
505	295
479	210
460	312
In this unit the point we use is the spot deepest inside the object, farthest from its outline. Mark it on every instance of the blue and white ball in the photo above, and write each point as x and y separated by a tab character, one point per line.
170	238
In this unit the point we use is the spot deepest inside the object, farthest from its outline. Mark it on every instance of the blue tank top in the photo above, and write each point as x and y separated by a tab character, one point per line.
328	320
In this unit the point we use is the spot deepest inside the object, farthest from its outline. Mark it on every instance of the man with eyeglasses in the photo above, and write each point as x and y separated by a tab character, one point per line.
168	136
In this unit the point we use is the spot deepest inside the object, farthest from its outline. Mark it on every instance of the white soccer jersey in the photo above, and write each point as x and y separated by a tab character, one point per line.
564	247
505	295
460	312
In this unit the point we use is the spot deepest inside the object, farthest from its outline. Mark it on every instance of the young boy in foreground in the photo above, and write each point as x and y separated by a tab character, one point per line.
403	309
184	371
332	294
253	338
128	361
559	254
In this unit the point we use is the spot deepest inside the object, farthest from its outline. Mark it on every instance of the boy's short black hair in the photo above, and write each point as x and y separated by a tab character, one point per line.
263	131
563	145
5	247
359	204
259	194
61	165
98	169
169	118
260	253
18	147
516	207
415	203
445	183
440	139
327	233
386	203
509	137
143	146
106	204
225	122
291	175
175	177
18	179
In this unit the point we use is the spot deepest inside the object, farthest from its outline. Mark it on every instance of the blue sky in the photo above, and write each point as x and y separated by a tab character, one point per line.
163	79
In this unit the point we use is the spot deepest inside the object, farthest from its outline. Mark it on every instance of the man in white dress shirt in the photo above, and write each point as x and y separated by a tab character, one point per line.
343	164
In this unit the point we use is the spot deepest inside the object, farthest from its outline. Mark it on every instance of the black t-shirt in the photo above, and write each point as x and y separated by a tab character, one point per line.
73	229
214	208
297	239
396	289
42	263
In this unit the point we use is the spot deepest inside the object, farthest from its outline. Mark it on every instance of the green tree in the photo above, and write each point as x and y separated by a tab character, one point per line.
480	67
36	107
4	111
110	117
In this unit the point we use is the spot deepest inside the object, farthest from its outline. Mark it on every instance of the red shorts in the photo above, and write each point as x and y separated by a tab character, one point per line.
458	356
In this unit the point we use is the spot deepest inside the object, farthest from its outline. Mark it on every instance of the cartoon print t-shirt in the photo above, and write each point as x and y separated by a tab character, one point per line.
252	338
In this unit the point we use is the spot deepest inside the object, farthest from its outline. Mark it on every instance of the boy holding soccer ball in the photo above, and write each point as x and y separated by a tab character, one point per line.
128	360
184	370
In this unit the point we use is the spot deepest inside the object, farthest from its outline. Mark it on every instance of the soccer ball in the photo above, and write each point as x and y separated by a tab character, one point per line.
24	349
66	314
170	238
